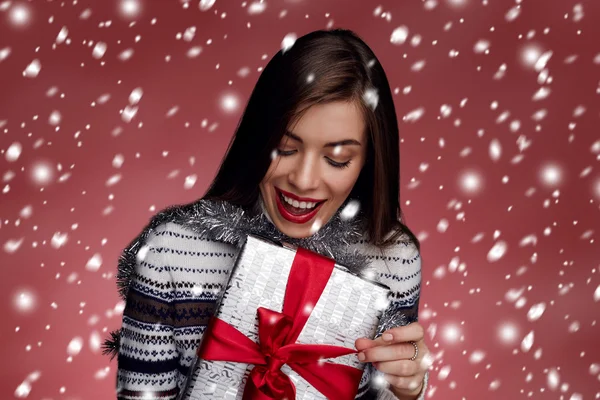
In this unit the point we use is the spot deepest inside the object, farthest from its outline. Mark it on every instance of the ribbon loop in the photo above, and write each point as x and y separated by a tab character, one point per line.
273	329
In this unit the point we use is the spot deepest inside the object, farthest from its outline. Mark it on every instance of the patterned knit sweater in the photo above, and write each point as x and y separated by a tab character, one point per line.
172	296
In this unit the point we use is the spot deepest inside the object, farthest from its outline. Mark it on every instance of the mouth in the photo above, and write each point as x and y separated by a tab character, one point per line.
301	213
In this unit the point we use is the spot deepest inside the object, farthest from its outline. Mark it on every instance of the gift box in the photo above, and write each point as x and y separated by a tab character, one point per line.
285	327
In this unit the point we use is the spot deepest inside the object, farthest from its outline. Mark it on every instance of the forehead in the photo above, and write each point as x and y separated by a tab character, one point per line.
331	121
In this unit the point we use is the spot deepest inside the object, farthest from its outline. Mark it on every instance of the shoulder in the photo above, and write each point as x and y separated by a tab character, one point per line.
403	246
177	227
401	257
176	232
398	266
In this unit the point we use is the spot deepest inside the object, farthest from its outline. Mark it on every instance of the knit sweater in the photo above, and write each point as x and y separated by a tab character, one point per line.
178	278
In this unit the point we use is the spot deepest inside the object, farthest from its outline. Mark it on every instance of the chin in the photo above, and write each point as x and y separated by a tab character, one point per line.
299	231
296	233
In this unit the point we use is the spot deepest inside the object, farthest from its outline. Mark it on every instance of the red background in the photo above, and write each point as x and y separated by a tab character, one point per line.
465	309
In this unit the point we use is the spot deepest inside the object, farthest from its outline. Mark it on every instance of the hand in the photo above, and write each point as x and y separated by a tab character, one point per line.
391	355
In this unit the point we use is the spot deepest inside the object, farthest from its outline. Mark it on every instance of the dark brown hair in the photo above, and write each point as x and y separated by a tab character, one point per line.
342	68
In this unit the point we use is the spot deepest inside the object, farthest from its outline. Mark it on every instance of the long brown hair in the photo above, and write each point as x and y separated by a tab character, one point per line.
322	66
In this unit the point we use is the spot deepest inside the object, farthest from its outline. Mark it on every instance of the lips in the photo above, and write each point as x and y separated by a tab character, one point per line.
298	219
293	196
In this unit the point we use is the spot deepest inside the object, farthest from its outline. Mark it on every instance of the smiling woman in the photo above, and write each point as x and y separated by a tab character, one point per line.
319	162
314	161
328	87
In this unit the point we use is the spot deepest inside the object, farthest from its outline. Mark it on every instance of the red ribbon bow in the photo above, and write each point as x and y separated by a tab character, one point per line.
278	333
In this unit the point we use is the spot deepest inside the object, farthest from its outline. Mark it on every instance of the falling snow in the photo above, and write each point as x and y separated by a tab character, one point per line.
206	5
288	41
497	251
350	210
399	35
99	50
33	69
119	109
13	152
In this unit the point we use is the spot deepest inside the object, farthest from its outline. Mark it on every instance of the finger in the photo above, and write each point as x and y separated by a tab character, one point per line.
365	343
391	352
404	368
411	384
411	332
407	333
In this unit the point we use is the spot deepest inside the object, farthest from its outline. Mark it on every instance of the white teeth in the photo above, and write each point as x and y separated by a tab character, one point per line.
302	204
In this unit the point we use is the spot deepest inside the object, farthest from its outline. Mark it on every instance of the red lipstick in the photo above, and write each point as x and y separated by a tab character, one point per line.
298	219
293	196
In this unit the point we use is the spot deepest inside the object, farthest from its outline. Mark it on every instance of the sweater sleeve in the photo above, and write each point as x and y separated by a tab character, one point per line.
148	357
402	273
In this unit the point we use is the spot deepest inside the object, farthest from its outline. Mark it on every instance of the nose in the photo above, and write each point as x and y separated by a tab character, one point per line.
305	175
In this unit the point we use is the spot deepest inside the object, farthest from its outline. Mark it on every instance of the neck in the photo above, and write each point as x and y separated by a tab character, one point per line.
229	223
263	208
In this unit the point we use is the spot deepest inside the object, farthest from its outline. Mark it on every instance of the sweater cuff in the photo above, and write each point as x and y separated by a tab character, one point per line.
387	394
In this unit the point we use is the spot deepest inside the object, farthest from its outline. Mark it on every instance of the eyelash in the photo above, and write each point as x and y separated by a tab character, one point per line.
332	163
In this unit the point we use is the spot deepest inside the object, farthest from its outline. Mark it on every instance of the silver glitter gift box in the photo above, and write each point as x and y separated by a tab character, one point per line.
349	307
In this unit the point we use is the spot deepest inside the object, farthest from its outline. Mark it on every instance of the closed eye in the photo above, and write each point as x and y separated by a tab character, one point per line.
337	164
334	164
285	153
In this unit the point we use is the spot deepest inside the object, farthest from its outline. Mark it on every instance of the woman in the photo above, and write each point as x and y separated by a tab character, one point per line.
314	161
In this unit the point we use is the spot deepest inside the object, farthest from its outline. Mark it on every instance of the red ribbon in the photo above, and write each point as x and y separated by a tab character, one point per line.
277	345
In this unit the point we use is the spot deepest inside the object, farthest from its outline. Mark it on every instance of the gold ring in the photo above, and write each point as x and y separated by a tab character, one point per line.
416	351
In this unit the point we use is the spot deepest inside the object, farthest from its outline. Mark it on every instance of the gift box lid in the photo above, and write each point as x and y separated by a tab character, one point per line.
294	248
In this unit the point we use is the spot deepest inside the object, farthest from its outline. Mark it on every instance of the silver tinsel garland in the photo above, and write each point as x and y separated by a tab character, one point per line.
228	223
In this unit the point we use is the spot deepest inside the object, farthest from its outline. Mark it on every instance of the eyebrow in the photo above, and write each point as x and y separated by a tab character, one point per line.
330	144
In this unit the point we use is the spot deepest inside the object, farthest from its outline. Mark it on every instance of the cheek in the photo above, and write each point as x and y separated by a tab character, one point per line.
271	172
280	168
341	184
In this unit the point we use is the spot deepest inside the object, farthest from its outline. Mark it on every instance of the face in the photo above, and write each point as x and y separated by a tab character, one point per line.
314	167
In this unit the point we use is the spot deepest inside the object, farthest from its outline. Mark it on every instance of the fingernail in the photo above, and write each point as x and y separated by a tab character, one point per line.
387	337
361	356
